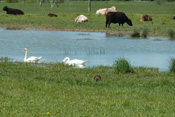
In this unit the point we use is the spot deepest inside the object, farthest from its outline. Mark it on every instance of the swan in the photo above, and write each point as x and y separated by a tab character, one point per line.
73	62
32	58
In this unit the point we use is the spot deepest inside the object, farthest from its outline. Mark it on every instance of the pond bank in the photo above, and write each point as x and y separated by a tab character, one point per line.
42	28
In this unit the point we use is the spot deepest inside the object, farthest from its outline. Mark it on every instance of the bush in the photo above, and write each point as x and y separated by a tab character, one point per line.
172	65
122	66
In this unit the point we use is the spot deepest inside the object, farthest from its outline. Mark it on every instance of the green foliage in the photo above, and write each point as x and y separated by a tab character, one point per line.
145	33
11	1
135	34
171	33
122	66
172	65
59	90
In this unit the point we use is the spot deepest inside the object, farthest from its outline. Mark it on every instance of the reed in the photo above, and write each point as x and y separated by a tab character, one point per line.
122	66
171	34
145	32
135	34
172	65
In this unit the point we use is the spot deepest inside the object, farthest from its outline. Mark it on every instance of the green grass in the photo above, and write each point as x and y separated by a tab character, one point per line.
37	18
35	89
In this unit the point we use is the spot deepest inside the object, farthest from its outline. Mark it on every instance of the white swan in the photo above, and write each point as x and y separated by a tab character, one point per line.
73	62
32	58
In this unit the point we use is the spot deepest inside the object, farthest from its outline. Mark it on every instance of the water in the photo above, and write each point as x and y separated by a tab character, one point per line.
96	48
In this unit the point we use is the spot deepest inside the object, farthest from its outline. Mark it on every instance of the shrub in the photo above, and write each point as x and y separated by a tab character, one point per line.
122	66
172	65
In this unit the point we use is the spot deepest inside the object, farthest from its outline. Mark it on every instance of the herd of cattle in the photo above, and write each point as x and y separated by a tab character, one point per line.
112	16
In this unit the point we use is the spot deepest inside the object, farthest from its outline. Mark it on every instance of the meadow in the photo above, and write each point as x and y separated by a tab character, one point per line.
48	89
36	17
59	90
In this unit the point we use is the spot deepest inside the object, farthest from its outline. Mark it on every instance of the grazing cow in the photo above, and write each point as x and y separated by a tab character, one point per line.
97	78
52	15
174	17
81	18
145	17
117	17
13	11
104	11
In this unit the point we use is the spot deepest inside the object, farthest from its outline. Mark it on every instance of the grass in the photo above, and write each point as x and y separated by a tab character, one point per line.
122	66
171	34
172	65
36	89
37	18
59	90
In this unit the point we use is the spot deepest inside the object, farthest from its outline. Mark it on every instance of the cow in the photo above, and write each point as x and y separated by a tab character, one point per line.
81	18
52	15
13	11
174	17
145	17
104	11
117	17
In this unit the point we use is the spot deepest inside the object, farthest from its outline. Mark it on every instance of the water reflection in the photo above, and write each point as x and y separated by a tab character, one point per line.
96	48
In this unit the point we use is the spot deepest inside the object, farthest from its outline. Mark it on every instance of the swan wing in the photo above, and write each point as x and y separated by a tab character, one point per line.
34	58
76	61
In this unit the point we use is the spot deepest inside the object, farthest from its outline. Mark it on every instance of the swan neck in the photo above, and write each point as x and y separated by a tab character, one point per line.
25	58
68	59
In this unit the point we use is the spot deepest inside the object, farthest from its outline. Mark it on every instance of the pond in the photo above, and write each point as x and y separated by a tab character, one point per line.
96	48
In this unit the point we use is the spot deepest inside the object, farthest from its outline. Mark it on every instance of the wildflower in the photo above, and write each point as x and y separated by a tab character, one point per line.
48	113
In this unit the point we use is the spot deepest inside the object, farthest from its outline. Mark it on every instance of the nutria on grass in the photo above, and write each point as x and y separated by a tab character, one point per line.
97	78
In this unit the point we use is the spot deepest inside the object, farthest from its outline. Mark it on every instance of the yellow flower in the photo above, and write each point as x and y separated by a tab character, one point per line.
48	113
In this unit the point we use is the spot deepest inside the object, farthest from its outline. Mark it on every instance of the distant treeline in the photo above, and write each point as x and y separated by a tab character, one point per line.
35	1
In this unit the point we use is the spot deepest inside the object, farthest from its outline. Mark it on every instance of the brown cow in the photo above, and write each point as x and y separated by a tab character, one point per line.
145	17
52	15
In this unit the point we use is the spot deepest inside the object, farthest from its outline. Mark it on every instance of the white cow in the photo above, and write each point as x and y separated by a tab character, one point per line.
81	18
104	11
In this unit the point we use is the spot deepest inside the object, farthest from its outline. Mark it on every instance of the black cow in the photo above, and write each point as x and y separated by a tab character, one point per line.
117	17
13	11
174	17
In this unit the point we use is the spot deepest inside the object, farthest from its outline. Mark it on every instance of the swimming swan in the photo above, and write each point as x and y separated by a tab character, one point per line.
73	62
32	58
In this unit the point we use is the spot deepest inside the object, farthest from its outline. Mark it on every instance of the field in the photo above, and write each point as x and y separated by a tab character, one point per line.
57	90
36	18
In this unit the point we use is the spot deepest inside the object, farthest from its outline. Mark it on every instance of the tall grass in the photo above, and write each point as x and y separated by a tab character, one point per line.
172	65
171	33
135	34
145	32
121	65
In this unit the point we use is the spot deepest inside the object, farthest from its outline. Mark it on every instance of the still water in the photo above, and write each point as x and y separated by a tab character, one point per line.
96	48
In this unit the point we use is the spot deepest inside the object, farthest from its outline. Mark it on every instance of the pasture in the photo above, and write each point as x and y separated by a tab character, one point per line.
37	18
59	90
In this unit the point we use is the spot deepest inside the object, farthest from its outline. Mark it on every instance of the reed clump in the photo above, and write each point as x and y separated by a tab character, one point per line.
172	65
145	33
135	34
171	34
122	66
